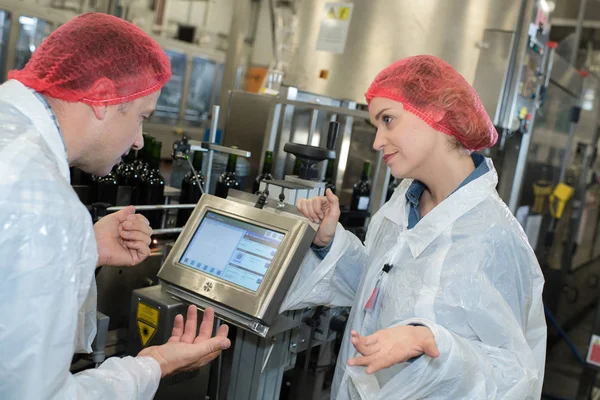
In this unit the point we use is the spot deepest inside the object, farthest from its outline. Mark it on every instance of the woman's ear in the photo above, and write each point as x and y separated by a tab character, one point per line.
436	114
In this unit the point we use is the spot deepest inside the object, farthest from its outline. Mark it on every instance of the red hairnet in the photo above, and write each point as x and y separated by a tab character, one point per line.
96	59
426	85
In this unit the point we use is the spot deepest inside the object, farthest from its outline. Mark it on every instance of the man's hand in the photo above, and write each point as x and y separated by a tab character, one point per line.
392	346
122	238
185	351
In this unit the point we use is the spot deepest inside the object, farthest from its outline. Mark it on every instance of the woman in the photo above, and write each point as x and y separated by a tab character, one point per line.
446	293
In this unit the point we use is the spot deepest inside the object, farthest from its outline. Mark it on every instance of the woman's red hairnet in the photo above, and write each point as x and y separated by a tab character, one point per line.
426	85
96	59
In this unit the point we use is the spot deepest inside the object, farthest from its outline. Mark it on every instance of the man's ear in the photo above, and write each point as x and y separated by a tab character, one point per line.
105	89
100	111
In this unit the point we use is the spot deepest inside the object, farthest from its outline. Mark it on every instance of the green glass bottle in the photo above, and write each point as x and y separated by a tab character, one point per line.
190	192
329	176
266	172
228	179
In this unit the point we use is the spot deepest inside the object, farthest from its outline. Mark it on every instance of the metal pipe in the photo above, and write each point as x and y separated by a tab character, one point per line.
578	28
517	185
274	33
314	115
238	78
189	12
166	231
227	150
153	207
205	16
328	109
163	221
212	139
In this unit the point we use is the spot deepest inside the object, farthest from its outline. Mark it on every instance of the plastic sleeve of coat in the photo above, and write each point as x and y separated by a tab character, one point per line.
332	281
119	378
466	369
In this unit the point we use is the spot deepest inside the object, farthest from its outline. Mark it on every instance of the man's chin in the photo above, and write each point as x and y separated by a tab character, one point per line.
98	171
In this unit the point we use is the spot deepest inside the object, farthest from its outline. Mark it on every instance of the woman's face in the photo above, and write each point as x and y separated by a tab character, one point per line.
405	141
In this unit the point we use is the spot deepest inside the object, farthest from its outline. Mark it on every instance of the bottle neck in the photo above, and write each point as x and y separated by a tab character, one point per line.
149	149
329	171
155	159
366	171
231	163
268	165
197	161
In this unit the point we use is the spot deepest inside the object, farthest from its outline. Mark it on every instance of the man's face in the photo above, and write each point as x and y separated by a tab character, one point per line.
117	132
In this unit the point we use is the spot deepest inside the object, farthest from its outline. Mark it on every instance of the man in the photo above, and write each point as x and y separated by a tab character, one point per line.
80	101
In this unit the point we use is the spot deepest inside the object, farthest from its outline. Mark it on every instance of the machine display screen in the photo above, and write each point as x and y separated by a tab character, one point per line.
232	250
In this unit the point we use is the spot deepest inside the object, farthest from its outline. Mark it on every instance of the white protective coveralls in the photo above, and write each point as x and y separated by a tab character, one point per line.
466	271
47	262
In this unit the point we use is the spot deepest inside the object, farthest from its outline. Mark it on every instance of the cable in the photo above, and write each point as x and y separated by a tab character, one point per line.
564	335
195	175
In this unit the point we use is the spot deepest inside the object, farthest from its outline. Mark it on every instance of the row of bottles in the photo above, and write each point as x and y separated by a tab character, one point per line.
138	181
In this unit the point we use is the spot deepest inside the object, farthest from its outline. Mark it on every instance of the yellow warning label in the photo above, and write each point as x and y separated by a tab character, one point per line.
331	13
147	314
344	13
146	332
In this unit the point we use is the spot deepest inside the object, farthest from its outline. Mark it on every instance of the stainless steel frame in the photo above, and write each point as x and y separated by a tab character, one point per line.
254	311
261	122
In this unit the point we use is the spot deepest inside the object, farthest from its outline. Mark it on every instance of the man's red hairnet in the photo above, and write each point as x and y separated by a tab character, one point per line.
96	59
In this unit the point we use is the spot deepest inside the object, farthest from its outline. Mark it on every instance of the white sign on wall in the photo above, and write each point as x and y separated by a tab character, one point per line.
335	24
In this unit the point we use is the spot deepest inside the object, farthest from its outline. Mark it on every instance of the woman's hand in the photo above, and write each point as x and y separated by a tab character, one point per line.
392	346
324	210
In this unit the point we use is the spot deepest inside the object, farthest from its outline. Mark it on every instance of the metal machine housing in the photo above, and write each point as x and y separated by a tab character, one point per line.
253	311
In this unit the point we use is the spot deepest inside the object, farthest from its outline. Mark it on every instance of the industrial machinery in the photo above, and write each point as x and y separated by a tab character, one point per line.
535	99
238	258
261	122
